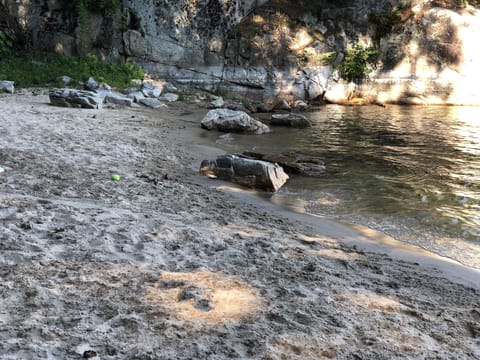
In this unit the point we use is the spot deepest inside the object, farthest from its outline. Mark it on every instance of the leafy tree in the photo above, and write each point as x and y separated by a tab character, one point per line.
358	62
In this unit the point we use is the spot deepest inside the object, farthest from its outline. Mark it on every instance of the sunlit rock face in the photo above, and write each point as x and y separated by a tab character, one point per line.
435	59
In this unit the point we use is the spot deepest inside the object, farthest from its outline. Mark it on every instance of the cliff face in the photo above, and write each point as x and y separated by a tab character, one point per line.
277	47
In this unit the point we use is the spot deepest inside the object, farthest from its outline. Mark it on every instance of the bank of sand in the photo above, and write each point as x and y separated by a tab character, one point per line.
161	265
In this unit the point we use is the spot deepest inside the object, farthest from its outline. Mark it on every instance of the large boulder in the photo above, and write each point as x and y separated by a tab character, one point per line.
290	120
7	86
244	171
227	120
75	98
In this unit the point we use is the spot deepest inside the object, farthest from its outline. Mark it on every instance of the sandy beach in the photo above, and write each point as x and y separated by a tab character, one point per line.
164	264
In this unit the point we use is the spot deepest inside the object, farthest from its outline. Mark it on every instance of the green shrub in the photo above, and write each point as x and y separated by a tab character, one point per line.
27	71
358	62
6	43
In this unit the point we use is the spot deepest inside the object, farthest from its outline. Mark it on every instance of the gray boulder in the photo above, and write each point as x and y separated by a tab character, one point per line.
152	103
7	86
217	102
136	96
244	171
150	90
75	98
169	87
170	97
91	84
290	120
118	100
227	120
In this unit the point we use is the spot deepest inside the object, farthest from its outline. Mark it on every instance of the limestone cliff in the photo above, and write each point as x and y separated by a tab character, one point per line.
290	48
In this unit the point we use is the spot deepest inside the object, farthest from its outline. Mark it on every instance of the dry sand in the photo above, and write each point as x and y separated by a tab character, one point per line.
161	265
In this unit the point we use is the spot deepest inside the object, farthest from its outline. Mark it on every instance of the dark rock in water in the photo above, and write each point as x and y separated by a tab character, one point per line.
300	105
75	98
290	120
283	105
244	171
292	164
227	120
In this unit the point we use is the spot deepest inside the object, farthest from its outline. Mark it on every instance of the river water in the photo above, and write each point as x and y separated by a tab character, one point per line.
410	172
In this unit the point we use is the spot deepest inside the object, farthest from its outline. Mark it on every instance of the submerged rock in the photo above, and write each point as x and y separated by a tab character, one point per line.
290	120
292	164
244	171
227	120
75	98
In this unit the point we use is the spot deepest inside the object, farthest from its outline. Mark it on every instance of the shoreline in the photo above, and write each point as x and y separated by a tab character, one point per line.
163	264
348	233
354	236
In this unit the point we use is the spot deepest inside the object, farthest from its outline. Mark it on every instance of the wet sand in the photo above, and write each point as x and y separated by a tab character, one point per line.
164	264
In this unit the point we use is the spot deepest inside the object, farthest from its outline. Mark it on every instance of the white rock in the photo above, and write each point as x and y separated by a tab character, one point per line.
227	120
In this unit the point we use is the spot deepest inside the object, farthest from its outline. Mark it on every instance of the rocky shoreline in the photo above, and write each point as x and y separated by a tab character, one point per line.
160	265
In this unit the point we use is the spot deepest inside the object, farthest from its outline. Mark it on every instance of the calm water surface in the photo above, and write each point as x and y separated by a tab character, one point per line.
410	172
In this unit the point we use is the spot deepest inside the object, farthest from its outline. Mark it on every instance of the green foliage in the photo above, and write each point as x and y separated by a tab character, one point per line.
322	59
82	8
82	13
221	90
358	62
104	7
28	71
6	43
384	23
107	7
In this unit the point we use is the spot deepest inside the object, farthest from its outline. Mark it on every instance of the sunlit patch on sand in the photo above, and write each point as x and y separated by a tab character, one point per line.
367	302
204	298
338	254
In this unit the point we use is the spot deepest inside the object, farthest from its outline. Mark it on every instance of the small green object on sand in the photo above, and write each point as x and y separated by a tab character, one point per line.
116	177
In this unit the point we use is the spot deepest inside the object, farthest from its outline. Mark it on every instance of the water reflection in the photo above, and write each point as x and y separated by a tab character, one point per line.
412	172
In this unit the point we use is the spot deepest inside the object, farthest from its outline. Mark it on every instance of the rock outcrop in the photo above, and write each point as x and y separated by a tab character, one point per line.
244	171
227	120
428	49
